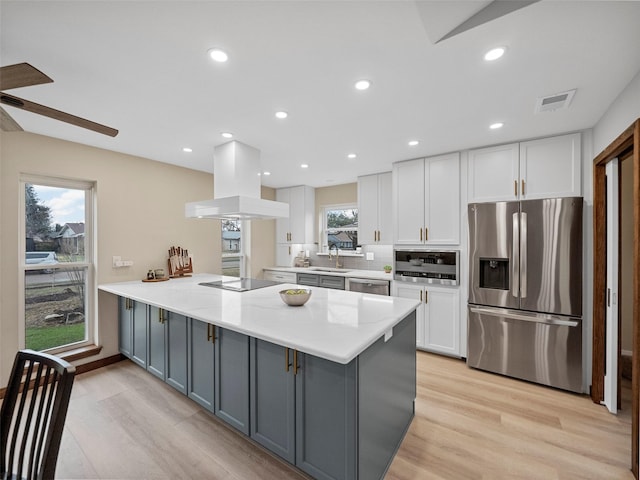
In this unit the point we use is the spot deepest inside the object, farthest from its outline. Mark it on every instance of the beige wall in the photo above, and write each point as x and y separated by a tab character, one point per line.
140	213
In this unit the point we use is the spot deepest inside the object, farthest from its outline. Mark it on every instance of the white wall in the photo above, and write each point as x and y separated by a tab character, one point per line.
620	114
140	214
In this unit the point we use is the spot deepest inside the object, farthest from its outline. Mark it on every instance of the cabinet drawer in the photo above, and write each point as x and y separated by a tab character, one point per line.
328	281
307	279
285	277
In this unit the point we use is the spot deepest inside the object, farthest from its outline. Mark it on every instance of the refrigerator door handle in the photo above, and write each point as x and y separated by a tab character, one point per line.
523	255
532	317
515	256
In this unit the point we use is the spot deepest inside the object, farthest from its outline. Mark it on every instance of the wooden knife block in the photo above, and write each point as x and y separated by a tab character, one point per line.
185	271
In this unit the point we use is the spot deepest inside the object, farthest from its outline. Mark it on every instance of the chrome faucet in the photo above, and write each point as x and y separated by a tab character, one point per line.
338	264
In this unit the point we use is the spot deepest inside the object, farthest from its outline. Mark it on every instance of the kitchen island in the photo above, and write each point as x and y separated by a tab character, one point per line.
329	386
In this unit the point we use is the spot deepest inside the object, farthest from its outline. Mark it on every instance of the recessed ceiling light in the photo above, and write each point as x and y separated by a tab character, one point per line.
352	155
227	135
187	149
282	114
494	54
497	125
266	173
218	55
413	143
362	84
304	165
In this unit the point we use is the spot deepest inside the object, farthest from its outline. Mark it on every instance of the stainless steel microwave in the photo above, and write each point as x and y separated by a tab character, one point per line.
427	266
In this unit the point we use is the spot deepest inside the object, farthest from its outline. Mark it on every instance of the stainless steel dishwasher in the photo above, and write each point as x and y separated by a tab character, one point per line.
364	285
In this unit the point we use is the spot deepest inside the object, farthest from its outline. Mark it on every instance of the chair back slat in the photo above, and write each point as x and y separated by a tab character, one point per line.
32	420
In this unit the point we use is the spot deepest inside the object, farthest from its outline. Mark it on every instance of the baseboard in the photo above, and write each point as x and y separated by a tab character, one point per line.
103	362
87	367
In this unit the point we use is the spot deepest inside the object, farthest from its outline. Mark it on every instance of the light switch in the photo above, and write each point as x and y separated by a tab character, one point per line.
369	255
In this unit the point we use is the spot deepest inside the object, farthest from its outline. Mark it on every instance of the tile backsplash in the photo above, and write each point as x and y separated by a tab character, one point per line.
382	255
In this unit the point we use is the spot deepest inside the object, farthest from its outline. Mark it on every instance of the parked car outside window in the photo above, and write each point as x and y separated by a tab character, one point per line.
42	258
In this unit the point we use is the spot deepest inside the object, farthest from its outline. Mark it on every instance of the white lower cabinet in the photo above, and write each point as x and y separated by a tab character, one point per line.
437	317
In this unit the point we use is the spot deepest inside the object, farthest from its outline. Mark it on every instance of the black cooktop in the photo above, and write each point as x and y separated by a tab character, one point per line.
240	284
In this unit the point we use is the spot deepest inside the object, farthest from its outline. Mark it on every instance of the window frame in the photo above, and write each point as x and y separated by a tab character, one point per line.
240	255
89	263
324	234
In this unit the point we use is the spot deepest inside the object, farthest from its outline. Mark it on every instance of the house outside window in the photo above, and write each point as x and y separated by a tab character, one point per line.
57	271
232	248
340	229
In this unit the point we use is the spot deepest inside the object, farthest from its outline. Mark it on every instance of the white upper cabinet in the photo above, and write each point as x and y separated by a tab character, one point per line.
551	167
300	226
426	195
493	174
374	209
545	168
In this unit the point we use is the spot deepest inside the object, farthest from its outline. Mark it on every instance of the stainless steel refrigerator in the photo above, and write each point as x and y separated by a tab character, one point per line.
525	290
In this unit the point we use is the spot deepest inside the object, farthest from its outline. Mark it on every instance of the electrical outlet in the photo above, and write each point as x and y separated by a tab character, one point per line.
117	261
369	255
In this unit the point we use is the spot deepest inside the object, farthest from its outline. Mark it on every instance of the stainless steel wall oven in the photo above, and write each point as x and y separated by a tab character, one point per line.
426	266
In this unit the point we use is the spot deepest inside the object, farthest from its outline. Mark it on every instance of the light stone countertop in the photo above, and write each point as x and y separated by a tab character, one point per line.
345	272
335	325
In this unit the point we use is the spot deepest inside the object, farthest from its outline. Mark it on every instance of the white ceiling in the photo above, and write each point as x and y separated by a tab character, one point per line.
142	67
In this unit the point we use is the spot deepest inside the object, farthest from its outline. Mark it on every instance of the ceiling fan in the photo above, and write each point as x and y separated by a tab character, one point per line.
25	75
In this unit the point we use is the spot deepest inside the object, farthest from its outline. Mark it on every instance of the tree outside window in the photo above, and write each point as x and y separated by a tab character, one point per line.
341	227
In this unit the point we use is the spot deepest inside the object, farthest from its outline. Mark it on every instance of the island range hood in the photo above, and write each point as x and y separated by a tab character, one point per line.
236	188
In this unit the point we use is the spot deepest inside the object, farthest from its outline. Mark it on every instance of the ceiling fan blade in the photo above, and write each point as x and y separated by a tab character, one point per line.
7	123
21	75
495	9
56	114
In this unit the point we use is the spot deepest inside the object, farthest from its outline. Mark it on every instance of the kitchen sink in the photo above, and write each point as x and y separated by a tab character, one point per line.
328	269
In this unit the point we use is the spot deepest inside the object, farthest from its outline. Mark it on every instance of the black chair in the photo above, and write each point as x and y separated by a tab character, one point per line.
32	420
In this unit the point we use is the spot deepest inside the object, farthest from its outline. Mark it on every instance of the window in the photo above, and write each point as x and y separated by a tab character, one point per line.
232	248
57	268
340	227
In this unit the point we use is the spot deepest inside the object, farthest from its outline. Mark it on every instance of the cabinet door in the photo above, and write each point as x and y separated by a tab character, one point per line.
125	326
232	378
273	398
414	292
201	364
385	209
139	342
442	320
493	174
367	209
282	224
442	200
301	214
551	167
284	255
156	344
326	418
176	327
408	194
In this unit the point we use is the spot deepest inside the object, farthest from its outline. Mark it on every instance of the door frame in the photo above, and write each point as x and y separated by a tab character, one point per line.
626	146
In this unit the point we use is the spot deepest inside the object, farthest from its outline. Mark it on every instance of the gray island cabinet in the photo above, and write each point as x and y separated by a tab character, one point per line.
330	390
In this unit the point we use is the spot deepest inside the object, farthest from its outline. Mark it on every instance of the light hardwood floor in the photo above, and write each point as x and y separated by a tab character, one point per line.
125	424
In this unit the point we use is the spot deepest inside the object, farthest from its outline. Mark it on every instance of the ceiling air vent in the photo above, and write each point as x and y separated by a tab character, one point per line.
554	102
